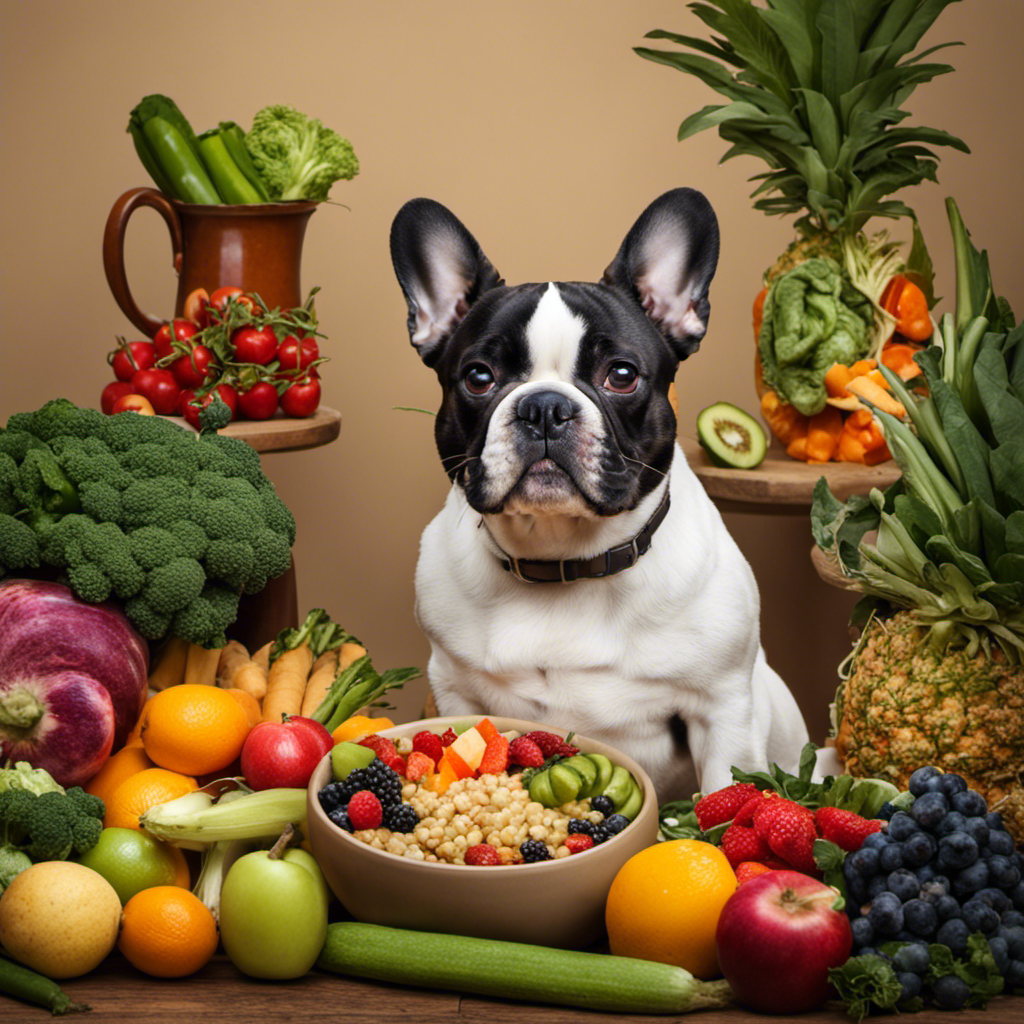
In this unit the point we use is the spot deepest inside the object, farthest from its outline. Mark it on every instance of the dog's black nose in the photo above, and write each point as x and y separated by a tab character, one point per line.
546	413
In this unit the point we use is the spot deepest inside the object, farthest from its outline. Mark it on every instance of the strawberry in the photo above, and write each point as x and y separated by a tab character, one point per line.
745	815
430	744
740	843
418	764
844	828
385	750
523	751
748	869
791	836
364	810
482	853
448	737
773	807
548	742
578	842
566	750
722	804
495	758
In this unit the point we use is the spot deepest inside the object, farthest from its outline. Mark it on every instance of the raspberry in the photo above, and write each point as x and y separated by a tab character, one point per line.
525	752
495	759
740	843
400	817
748	869
482	853
844	828
428	743
533	850
722	805
548	742
577	842
364	810
448	737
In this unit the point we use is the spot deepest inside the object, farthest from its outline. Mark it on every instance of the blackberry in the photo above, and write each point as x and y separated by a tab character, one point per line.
384	782
331	797
340	818
602	833
400	817
533	851
603	804
580	826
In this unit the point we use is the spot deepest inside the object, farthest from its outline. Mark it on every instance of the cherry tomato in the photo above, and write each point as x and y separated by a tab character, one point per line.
254	345
196	307
112	392
297	353
160	387
302	398
134	403
183	330
128	359
222	296
259	402
193	370
190	406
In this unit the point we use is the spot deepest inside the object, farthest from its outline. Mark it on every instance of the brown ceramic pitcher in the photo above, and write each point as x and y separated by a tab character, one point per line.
257	248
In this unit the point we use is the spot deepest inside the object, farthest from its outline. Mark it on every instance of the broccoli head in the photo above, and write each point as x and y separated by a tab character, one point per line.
172	524
296	156
50	825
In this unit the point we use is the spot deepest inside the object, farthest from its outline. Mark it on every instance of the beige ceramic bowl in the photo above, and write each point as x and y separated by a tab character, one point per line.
550	903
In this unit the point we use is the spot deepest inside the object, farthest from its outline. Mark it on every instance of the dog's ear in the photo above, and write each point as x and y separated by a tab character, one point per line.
442	271
666	263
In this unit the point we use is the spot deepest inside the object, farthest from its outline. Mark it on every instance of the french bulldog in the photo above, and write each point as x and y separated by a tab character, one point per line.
578	574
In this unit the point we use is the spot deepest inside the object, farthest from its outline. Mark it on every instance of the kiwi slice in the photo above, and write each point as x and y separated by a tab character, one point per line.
731	437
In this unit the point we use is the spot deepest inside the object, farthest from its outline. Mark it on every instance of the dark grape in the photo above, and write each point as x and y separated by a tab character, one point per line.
957	850
1014	973
920	918
902	826
1014	936
970	880
876	840
994	821
886	914
977	829
970	804
1000	951
863	862
996	899
903	883
952	822
863	933
980	917
918	781
930	809
876	885
1011	918
1000	842
890	857
912	957
949	784
947	908
954	933
918	850
950	992
910	985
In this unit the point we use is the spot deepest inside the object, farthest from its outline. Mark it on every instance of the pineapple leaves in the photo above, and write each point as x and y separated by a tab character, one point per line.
817	86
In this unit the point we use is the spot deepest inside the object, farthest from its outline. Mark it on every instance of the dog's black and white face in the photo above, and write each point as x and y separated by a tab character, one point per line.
555	395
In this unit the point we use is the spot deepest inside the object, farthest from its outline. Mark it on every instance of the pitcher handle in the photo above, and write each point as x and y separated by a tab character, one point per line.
113	250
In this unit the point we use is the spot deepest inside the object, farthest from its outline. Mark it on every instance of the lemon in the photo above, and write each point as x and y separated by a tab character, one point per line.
59	918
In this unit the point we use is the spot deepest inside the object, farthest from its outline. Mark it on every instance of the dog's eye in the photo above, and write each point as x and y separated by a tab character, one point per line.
478	379
622	378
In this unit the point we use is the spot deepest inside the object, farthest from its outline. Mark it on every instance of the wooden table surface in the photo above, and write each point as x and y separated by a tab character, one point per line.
219	994
283	433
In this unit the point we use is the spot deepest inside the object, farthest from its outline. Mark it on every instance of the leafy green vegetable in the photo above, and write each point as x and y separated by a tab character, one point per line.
296	156
813	317
978	969
866	983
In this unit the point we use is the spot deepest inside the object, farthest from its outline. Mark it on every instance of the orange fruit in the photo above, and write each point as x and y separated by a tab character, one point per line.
194	729
358	726
248	703
664	904
167	932
143	790
126	762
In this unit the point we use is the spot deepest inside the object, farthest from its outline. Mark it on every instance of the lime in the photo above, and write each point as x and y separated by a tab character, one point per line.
132	860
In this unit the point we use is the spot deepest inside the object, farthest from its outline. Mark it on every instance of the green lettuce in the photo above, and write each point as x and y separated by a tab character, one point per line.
813	317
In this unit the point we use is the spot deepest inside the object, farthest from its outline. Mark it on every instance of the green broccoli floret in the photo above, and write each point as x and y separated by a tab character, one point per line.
19	546
50	825
296	156
12	863
174	525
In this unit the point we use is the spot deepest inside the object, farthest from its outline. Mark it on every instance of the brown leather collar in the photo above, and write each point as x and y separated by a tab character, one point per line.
607	563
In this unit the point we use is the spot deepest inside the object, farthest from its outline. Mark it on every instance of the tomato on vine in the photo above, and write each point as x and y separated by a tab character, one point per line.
302	398
195	368
254	344
131	357
259	402
163	340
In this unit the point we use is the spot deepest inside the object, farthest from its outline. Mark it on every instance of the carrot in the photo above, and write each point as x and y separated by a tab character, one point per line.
785	421
261	656
797	448
236	670
316	689
201	665
169	665
837	376
823	434
286	683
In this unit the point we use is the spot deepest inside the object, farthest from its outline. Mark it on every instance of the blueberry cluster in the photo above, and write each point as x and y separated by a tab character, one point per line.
381	780
602	831
939	872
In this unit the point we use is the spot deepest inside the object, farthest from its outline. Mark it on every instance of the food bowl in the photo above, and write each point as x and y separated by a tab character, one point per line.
548	903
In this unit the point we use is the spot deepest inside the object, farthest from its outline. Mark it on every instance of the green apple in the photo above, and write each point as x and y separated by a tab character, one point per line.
273	914
131	860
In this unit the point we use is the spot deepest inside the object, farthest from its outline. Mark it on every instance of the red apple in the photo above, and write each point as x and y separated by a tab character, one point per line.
284	753
777	937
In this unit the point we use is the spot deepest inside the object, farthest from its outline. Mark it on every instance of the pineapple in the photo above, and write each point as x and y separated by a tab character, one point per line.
815	89
937	676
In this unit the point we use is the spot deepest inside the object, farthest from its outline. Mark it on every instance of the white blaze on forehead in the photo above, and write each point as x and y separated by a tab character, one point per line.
553	335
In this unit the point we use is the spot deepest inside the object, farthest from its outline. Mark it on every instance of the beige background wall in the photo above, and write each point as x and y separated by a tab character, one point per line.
537	124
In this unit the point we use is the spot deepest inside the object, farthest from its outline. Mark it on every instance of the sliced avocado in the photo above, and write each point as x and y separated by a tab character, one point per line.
621	786
732	438
565	783
635	800
540	789
586	770
604	772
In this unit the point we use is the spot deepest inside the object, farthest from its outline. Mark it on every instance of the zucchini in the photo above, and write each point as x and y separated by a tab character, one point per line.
515	970
21	982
